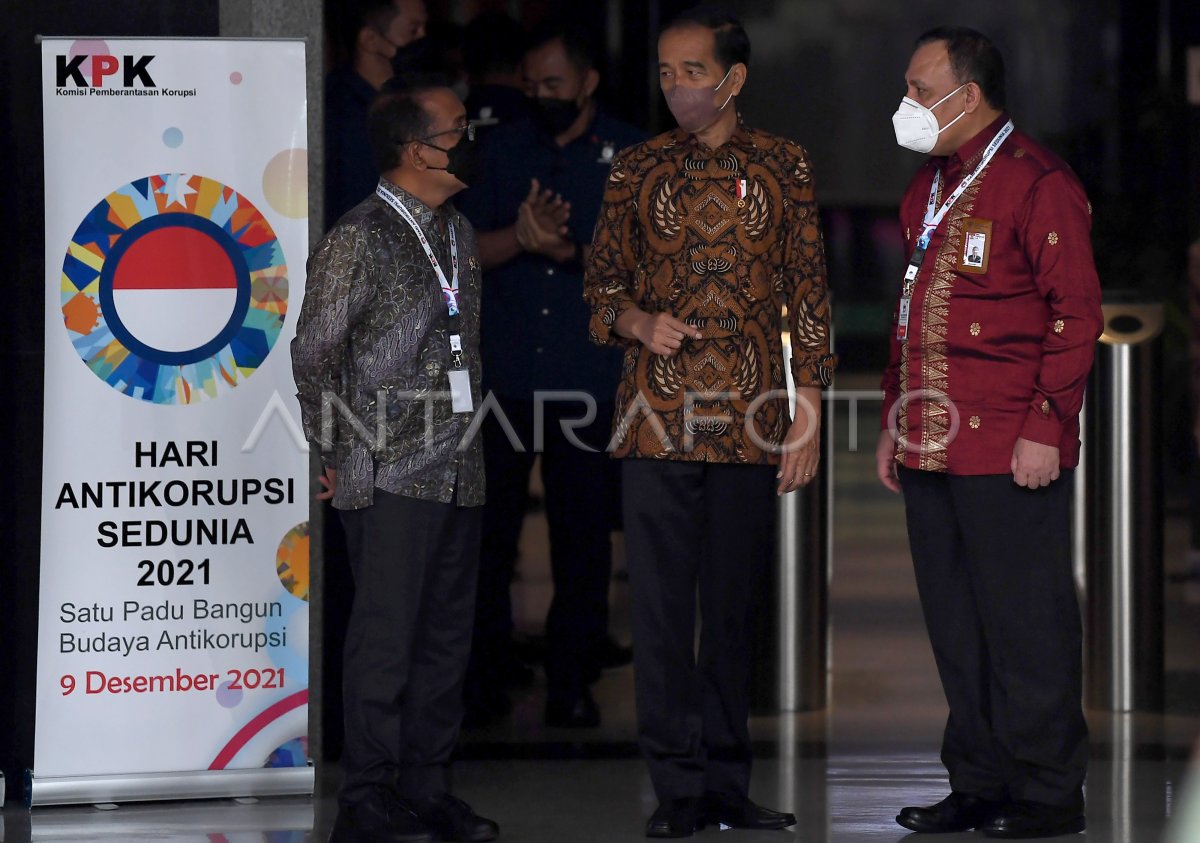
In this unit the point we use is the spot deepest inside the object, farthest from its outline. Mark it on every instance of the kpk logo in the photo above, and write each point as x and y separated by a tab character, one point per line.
81	74
70	69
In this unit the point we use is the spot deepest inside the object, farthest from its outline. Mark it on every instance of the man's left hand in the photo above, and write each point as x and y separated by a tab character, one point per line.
802	445
1033	464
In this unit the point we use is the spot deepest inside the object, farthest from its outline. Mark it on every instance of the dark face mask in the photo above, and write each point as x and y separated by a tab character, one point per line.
461	159
554	116
415	57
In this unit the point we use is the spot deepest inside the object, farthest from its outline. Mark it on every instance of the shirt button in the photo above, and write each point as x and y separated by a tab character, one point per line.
539	349
545	311
550	270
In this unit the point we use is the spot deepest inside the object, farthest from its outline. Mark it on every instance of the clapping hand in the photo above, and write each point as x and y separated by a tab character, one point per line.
541	224
550	211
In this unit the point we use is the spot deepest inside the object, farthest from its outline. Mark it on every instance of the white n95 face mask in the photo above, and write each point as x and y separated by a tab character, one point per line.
917	127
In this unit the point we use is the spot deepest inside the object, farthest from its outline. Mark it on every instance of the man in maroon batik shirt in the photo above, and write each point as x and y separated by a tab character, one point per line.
991	346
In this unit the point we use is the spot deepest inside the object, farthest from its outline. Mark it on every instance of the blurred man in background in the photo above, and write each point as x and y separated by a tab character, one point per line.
535	204
369	37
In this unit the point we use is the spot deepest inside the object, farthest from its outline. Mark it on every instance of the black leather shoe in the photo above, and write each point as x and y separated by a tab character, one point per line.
380	817
737	811
1023	820
575	712
957	812
675	818
452	819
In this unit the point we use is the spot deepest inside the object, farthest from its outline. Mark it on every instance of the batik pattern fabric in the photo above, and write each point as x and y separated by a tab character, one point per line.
723	239
372	354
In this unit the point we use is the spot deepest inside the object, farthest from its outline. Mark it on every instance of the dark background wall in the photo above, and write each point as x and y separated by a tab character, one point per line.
1102	82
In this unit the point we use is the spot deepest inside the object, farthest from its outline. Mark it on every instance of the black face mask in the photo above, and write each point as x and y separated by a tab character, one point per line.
554	116
461	159
418	57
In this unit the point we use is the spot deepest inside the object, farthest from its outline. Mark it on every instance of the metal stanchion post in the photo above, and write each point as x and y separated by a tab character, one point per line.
791	669
1124	663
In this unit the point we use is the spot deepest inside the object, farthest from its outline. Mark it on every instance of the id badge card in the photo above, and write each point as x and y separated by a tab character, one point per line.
460	391
902	320
977	246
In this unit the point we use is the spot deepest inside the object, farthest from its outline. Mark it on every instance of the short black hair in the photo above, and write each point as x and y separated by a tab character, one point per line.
492	43
580	47
343	22
395	119
731	44
973	58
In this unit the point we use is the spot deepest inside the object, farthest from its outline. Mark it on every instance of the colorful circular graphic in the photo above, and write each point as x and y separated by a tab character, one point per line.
291	561
174	289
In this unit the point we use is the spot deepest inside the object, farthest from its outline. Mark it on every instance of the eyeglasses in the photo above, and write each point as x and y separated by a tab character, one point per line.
468	130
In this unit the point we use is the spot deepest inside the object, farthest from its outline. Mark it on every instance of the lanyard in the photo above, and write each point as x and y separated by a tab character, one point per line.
934	218
449	289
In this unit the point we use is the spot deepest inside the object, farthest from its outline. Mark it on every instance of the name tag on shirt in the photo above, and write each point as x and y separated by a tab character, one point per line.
977	245
460	391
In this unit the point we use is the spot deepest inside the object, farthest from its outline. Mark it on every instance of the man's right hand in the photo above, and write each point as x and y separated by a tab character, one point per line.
329	481
662	333
885	461
550	211
534	238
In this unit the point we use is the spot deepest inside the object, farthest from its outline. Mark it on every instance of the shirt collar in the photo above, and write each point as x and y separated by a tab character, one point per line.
969	152
742	138
422	213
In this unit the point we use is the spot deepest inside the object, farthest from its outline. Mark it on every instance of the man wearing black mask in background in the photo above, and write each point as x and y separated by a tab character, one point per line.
535	340
372	36
493	46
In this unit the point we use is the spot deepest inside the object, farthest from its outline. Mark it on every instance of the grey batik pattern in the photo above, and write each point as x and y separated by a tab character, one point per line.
372	353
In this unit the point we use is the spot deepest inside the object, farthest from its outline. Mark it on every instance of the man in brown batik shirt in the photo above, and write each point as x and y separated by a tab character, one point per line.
706	233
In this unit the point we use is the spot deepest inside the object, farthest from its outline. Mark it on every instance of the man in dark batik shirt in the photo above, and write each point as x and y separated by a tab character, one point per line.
705	234
386	359
990	351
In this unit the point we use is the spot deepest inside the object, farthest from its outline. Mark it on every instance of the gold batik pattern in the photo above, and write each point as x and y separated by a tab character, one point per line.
937	420
902	410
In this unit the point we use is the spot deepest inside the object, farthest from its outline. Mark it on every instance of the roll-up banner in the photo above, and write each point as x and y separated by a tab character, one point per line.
173	619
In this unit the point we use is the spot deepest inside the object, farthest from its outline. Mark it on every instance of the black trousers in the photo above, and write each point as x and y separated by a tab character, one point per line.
706	530
414	564
581	492
993	567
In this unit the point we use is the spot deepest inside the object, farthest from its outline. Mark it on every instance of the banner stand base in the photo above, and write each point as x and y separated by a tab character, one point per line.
141	787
